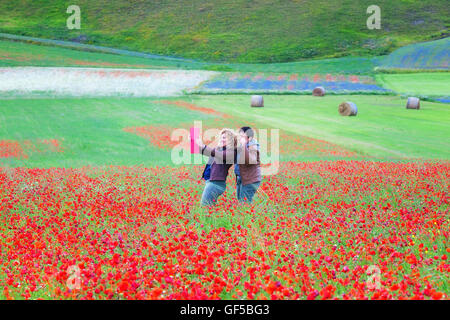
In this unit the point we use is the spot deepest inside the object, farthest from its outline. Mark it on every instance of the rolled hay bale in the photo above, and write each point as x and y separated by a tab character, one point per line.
348	109
318	91
257	101
413	103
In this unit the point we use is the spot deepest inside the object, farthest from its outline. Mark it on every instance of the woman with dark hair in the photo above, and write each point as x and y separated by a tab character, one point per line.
248	166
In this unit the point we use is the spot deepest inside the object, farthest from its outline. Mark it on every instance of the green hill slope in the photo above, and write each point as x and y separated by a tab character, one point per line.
235	31
426	55
14	54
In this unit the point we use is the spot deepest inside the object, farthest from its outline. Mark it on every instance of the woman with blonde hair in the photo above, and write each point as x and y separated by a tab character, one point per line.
221	158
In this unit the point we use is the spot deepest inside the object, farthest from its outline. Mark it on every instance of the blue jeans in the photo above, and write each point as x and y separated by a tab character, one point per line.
246	192
212	191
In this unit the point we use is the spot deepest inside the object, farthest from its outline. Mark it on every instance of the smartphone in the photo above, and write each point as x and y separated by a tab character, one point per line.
195	132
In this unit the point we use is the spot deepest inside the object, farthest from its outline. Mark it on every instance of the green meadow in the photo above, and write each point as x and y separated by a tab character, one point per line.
13	54
422	84
383	128
91	129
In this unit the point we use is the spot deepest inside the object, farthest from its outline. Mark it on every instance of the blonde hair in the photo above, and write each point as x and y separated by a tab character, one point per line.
231	137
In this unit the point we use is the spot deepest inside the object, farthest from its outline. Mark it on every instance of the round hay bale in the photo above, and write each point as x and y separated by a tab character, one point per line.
257	101
318	91
413	103
348	109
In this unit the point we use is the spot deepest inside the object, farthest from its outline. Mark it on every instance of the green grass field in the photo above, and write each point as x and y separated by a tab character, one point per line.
383	127
13	54
237	31
422	84
91	130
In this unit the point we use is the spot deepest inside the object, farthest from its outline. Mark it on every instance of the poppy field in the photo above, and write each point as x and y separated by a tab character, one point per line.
91	206
319	230
334	223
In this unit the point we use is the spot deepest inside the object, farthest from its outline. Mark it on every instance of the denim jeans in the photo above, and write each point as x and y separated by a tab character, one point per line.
246	193
212	191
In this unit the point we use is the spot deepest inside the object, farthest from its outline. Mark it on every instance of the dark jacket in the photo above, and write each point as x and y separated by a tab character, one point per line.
220	161
249	164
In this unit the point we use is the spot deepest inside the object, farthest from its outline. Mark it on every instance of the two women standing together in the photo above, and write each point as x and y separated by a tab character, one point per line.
242	151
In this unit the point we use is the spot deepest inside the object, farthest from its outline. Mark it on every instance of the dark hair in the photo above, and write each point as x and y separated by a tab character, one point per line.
248	131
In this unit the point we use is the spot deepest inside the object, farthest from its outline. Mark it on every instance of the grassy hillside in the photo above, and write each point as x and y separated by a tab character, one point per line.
13	54
426	55
237	31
